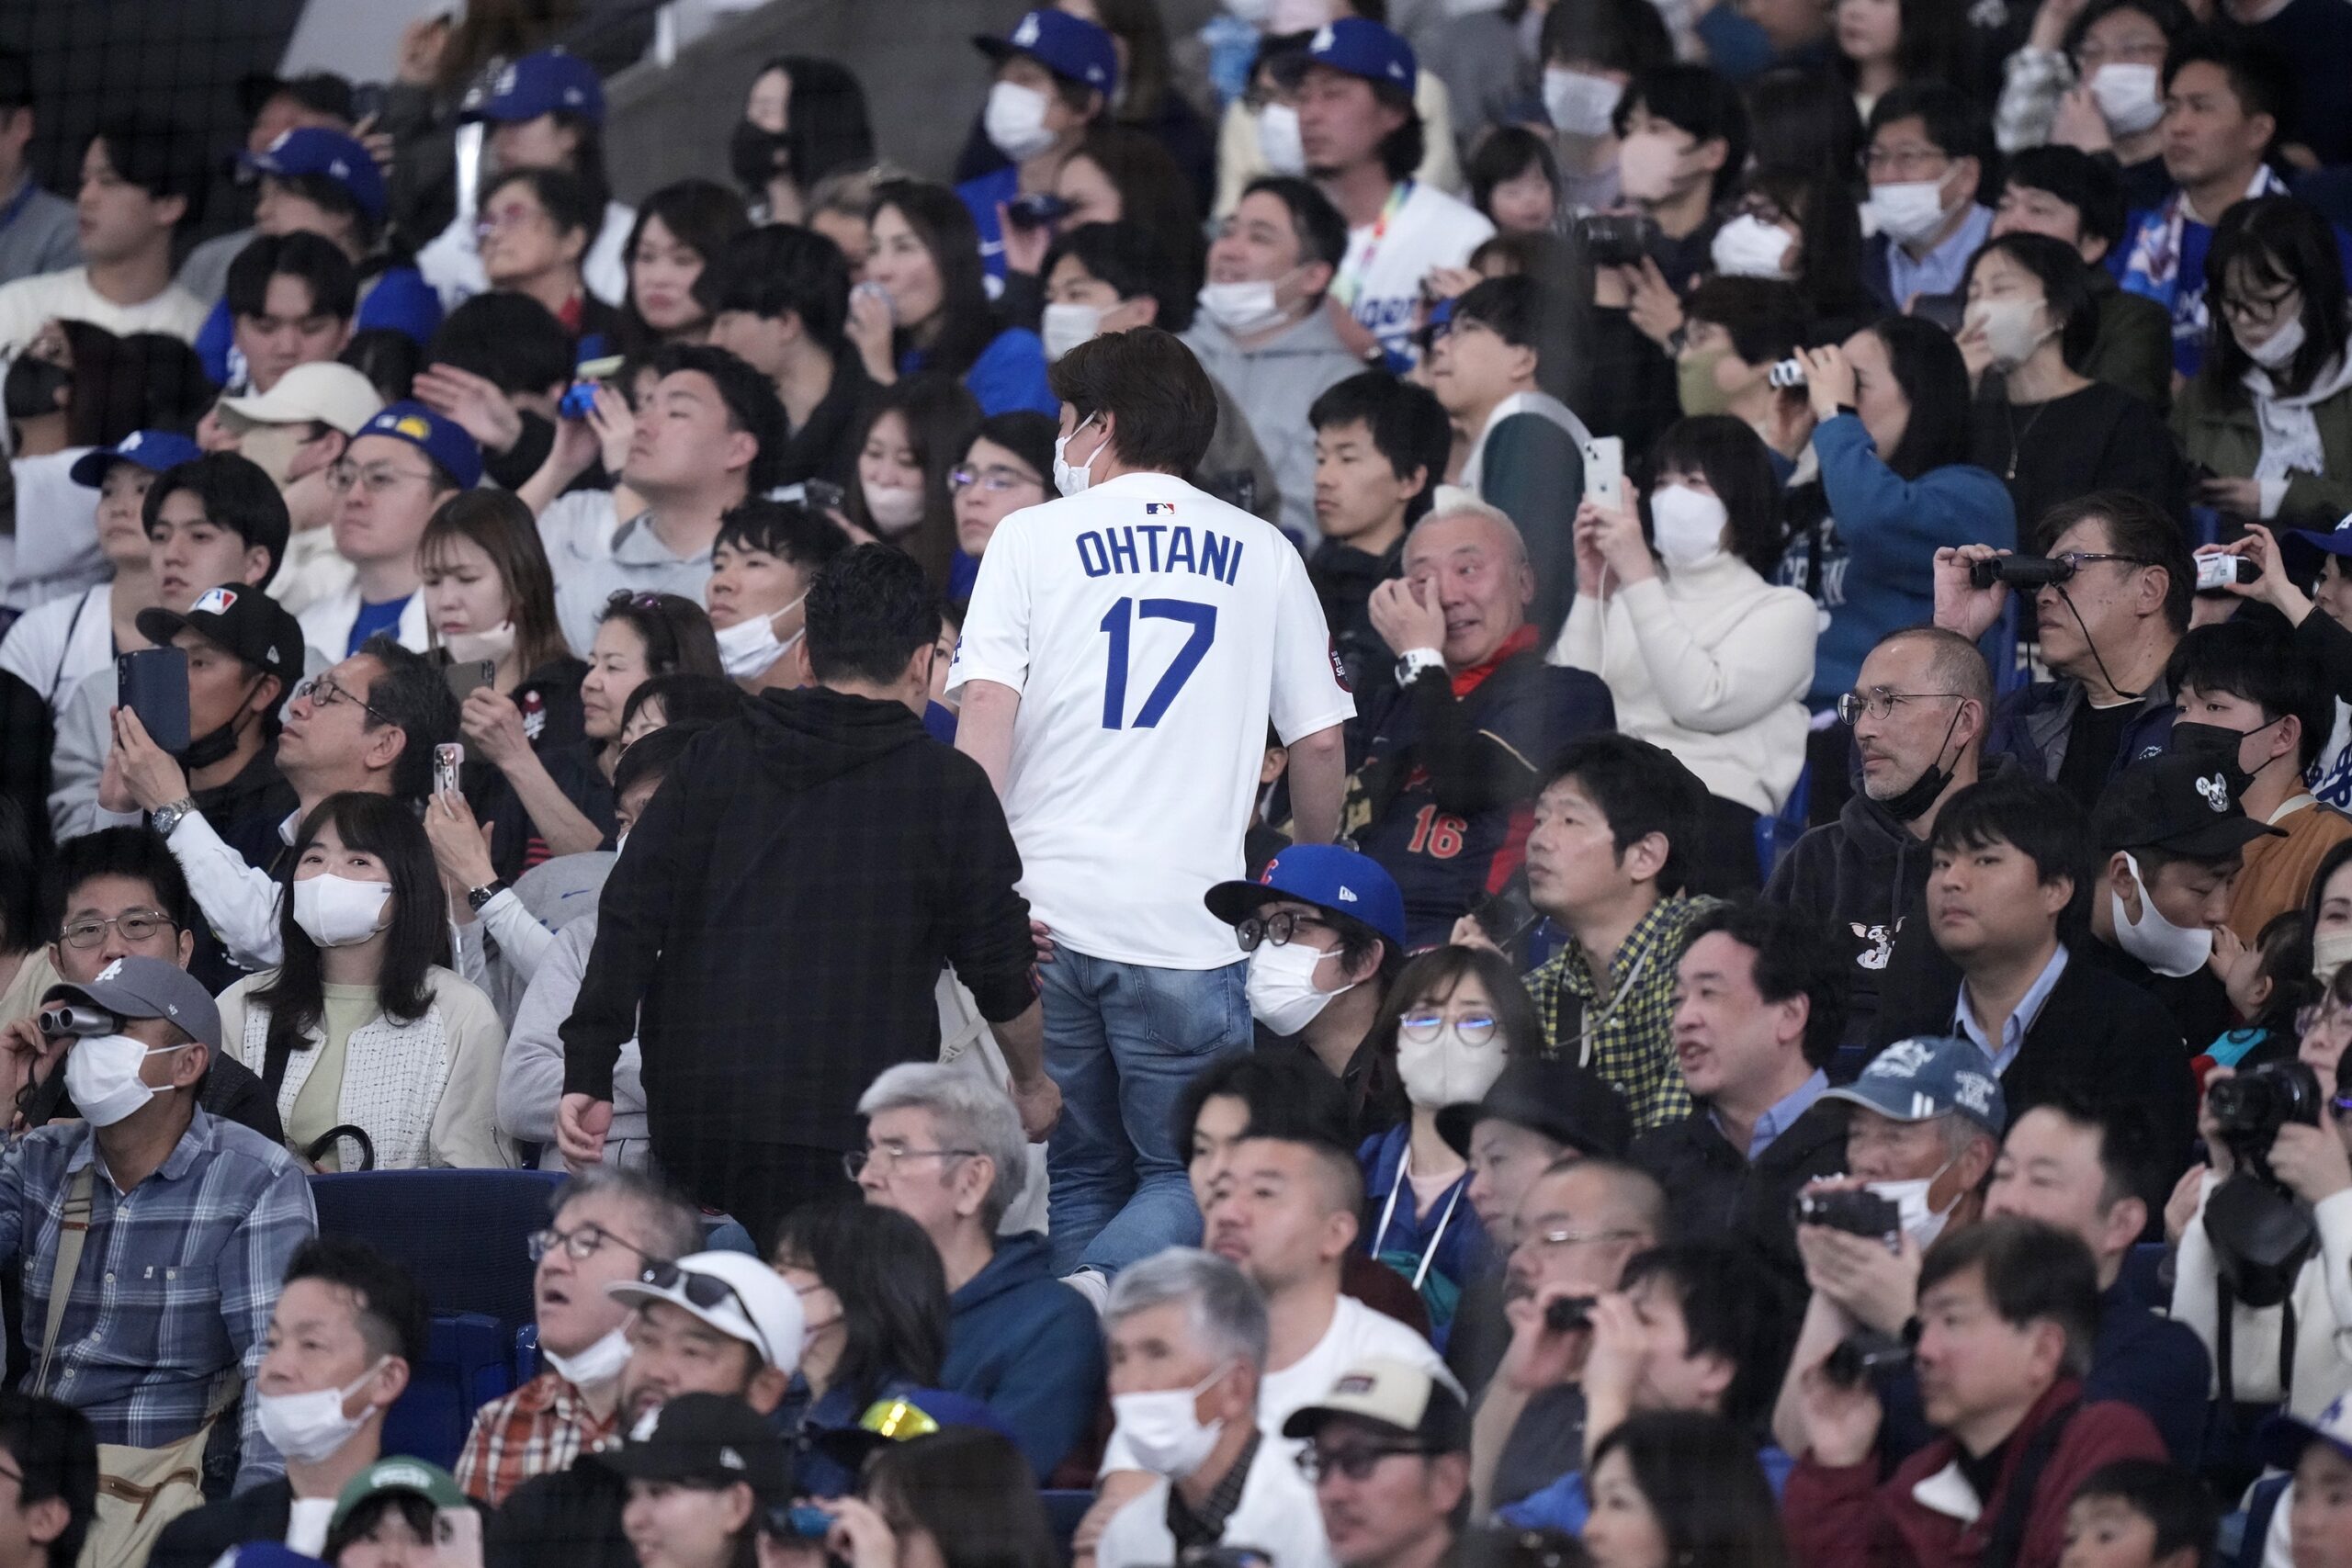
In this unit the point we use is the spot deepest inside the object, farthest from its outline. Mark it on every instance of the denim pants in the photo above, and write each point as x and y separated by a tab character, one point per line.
1122	1040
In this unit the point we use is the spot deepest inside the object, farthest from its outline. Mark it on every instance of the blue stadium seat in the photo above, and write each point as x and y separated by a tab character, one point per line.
469	1363
1063	1510
1775	834
464	1234
2143	1273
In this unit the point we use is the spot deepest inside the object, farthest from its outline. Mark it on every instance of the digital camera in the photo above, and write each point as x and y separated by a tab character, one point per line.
1851	1210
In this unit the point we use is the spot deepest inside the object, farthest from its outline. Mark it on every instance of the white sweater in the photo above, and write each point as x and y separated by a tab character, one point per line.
1712	663
2323	1302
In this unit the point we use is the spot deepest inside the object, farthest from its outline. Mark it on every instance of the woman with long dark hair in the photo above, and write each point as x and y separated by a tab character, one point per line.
679	231
1804	229
923	305
804	118
959	1498
915	433
1677	1489
360	1025
1883	43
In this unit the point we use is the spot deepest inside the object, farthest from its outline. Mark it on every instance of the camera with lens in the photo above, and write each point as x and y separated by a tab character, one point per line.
1861	1356
88	1022
1569	1311
1850	1210
2027	572
1615	239
1787	376
2248	1110
2215	573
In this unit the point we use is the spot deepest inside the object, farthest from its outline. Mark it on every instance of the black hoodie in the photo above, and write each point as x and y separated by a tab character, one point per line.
781	913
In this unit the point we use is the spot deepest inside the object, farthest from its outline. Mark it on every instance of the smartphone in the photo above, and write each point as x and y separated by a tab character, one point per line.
446	760
153	683
465	674
1506	917
1604	472
823	495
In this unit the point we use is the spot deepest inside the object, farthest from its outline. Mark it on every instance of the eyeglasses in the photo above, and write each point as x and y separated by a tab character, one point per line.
1277	929
887	1156
136	925
1763	208
1568	1238
579	1244
707	1292
1879	702
322	692
2259	310
1903	163
2074	560
1355	1461
1423	1025
512	216
379	479
996	481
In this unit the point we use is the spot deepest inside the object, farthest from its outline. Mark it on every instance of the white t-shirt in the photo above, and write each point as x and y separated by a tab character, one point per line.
67	297
1276	1514
56	645
1151	631
57	532
1380	279
306	1525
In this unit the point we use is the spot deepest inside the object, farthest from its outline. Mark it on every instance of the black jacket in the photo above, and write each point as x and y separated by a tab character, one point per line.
569	1519
195	1539
782	916
1344	578
1715	1190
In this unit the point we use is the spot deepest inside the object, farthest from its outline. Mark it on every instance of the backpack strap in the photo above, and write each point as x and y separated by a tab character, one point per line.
73	1229
2002	1547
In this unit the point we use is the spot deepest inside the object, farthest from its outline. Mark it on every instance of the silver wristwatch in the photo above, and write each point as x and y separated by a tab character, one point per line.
164	820
1414	660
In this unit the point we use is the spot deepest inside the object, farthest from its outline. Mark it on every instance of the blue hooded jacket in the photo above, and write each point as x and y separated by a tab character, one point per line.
1031	1347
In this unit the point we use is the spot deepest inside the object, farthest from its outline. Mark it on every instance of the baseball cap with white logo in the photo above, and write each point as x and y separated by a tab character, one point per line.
1929	1075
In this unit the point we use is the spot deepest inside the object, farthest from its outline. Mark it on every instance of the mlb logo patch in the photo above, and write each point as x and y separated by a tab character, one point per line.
215	602
1159	508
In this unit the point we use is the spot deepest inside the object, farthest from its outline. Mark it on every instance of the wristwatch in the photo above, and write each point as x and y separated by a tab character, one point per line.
1413	660
166	819
477	897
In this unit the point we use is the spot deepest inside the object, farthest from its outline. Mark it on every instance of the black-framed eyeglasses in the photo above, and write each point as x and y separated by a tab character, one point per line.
1276	929
707	1292
581	1243
1355	1460
2077	560
136	925
1880	703
324	692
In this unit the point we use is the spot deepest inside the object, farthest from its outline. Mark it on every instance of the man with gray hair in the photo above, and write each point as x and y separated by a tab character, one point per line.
945	1147
1452	766
1188	1333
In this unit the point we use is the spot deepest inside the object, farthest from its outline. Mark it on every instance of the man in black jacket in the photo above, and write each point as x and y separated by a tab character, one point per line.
1446	792
1760	1002
1918	710
783	911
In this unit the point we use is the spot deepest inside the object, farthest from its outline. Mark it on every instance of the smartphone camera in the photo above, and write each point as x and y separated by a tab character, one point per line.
1615	239
2215	573
1569	1311
579	400
446	760
797	1521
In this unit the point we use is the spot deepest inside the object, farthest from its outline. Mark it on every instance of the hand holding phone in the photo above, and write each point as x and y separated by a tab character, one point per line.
1604	472
153	683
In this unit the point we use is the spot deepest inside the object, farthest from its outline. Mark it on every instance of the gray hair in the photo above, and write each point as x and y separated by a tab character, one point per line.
970	1112
672	1229
1469	507
1224	1311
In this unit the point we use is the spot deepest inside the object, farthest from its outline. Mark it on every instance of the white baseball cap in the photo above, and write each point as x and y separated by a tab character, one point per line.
326	390
732	1291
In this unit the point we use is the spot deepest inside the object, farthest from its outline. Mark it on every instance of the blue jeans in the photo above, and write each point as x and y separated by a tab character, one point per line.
1122	1040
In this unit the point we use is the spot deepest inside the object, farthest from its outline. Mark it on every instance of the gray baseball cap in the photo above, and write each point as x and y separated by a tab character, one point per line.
148	988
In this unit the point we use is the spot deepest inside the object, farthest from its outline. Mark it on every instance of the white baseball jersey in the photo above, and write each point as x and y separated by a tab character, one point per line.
1151	631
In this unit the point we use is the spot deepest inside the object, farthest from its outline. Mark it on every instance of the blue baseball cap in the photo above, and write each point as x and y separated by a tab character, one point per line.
438	439
2281	1439
1359	47
153	450
1326	875
1929	1075
314	150
550	82
2337	542
1070	47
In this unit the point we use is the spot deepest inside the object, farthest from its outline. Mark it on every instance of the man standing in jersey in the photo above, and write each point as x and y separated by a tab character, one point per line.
1126	648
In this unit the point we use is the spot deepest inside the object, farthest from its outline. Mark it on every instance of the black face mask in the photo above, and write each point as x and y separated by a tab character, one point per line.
757	156
214	745
32	387
2219	744
1929	785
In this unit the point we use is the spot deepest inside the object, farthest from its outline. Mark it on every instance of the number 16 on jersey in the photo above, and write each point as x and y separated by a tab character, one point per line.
1118	625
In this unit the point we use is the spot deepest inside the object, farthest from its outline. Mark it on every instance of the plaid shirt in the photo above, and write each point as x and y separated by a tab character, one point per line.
176	1281
536	1430
1630	1044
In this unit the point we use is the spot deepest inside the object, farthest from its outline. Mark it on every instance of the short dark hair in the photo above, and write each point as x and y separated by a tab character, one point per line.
2033	817
412	694
330	196
2033	1272
1120	255
390	1308
1927	366
1026	434
20	881
2274	240
1953	123
1507	153
651	757
2172	1498
388	357
573	202
236	494
2070	175
868	611
2172	18
319	262
686	694
1790	960
2133	1161
1642	789
1738	468
1765	317
1289	1097
2136	528
2066	281
782	269
2255	657
788	530
1149	381
1616	35
1733	1307
132	854
753	406
56	1452
1700	102
510	340
159	157
1322	232
1408	425
2259	76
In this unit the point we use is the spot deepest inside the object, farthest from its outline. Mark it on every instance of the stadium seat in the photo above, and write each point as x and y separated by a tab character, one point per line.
2143	1273
464	1234
469	1364
1063	1510
1775	834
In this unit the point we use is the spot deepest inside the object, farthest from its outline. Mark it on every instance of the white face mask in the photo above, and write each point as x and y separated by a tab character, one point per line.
2128	97
1922	1224
102	1075
2329	953
1281	987
1445	1071
2273	352
1015	121
1687	525
1579	103
1066	326
1163	1431
600	1363
1279	140
749	647
338	911
495	644
2167	949
1909	210
2011	327
1072	481
1241	307
1646	166
1749	247
307	1427
894	508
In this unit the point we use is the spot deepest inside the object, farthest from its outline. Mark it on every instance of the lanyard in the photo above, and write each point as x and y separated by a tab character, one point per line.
1583	1037
1388	1211
1351	284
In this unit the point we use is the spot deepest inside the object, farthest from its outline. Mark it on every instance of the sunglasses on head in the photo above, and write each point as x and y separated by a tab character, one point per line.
707	1291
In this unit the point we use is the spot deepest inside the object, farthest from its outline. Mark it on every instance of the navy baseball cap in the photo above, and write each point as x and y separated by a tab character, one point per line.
1070	47
550	82
436	437
312	150
1339	879
1929	1075
1359	47
132	986
153	450
2337	541
2281	1439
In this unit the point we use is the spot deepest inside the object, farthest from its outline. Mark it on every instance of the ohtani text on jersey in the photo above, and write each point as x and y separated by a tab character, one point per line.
1159	547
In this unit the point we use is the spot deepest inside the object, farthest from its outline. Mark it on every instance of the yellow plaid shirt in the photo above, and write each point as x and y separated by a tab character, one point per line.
1630	1044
